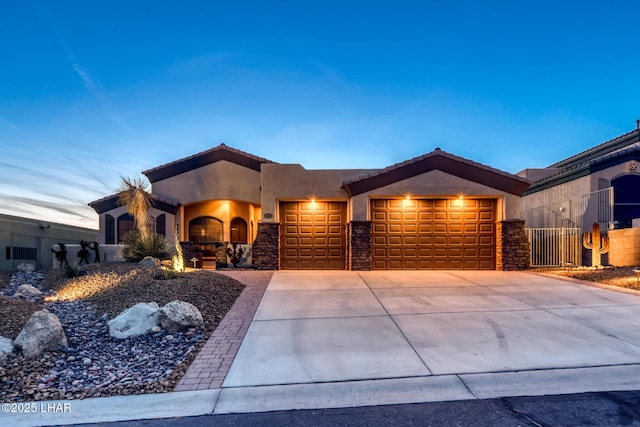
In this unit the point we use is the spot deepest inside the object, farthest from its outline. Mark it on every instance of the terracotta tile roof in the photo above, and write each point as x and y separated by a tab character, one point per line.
599	150
215	154
438	160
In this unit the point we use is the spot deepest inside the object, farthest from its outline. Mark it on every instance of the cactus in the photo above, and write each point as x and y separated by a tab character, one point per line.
598	245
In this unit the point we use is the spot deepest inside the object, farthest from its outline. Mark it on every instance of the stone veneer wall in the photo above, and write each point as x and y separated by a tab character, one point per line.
624	247
266	253
513	251
359	235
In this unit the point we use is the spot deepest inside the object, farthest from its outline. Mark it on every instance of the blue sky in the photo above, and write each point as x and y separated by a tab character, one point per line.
93	91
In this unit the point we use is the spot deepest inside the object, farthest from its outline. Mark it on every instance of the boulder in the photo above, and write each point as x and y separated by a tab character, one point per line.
27	292
42	332
179	315
137	320
150	262
6	347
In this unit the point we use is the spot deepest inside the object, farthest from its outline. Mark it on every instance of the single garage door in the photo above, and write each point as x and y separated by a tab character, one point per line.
434	234
313	235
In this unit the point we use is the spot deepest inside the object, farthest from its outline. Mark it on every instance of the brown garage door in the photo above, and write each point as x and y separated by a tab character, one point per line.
434	234
313	235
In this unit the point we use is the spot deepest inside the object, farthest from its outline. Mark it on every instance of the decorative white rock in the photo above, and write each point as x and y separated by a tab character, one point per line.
137	320
179	315
42	332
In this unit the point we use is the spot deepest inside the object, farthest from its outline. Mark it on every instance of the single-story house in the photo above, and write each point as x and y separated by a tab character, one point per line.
435	211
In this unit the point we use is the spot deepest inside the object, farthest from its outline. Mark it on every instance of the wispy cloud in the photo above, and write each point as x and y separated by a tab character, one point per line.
17	129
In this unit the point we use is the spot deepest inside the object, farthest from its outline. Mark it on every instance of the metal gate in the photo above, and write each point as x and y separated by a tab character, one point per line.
555	247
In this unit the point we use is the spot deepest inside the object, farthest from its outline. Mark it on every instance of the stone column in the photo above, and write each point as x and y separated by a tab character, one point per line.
266	248
512	246
359	235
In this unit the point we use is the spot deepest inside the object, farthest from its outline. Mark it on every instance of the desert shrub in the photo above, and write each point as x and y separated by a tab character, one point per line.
73	270
137	247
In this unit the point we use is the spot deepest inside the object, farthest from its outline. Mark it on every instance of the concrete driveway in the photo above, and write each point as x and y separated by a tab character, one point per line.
471	334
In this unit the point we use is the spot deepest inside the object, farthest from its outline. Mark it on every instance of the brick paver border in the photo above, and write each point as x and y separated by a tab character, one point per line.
211	365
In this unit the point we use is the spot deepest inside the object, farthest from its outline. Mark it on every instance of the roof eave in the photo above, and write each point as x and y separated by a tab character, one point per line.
445	163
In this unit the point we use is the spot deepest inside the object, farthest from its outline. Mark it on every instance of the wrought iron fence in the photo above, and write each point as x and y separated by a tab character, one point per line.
555	247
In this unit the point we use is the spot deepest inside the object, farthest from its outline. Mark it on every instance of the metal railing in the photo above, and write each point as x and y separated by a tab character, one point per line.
555	247
579	212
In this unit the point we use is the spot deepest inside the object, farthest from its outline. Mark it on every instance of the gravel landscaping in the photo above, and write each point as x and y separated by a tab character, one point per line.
616	276
94	364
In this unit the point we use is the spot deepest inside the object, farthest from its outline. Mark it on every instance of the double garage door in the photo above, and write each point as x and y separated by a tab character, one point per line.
406	234
433	234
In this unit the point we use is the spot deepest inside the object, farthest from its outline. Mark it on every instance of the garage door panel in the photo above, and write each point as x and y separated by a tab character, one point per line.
440	240
433	234
394	228
486	240
485	228
456	240
455	227
313	235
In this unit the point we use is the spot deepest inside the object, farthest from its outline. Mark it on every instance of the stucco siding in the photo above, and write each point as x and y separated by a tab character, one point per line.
222	180
436	184
293	182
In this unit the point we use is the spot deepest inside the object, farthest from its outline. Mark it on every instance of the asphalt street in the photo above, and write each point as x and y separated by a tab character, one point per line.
585	409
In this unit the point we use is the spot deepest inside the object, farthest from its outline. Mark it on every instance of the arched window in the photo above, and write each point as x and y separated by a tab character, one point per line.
125	225
205	229
238	231
626	199
161	224
109	229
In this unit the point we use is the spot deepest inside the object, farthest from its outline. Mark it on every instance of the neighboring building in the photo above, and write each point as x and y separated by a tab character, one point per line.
436	211
601	184
29	241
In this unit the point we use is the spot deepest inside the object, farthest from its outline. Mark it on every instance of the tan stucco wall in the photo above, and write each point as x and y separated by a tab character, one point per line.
437	184
293	182
624	247
220	180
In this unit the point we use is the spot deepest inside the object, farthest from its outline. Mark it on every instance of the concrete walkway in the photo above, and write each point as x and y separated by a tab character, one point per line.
339	339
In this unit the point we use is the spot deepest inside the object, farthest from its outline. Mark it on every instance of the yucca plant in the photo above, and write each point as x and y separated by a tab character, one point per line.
134	194
137	246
